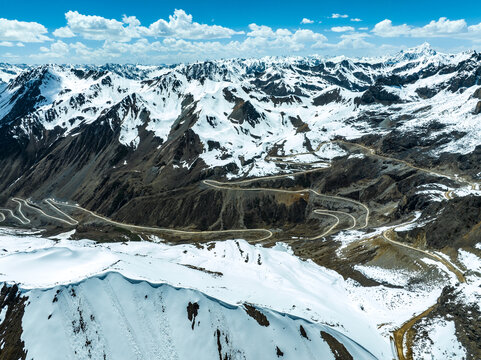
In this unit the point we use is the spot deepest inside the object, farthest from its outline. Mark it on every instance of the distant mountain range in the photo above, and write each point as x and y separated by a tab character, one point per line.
368	167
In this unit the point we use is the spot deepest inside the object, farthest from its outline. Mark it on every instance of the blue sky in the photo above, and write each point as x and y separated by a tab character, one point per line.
170	32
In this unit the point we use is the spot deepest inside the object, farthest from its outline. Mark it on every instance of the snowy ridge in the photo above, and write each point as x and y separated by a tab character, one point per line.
246	106
232	272
120	318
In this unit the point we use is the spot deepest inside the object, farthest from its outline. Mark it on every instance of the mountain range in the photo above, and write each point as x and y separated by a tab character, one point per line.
273	150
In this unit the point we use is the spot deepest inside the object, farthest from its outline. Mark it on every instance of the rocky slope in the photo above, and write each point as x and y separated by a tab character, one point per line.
351	153
114	138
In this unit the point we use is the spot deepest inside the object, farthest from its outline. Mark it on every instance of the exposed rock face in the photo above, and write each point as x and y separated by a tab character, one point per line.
136	146
274	145
477	110
327	98
378	94
12	304
477	93
244	111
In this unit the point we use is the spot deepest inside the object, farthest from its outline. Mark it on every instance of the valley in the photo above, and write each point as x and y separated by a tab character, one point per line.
338	200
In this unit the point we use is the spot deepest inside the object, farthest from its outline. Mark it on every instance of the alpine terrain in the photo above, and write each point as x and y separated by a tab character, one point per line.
274	208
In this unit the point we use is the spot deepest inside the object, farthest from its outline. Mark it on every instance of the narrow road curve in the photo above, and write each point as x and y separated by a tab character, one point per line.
400	333
326	213
449	195
71	222
474	185
13	216
24	221
268	233
228	186
354	221
459	275
221	186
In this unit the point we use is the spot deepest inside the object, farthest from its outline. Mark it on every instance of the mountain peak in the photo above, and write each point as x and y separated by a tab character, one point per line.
425	49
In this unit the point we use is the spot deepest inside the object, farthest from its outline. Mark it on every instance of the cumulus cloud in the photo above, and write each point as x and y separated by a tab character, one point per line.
179	38
266	31
339	16
342	28
261	40
308	36
180	25
475	28
265	38
63	32
354	41
385	28
439	28
93	27
29	32
58	49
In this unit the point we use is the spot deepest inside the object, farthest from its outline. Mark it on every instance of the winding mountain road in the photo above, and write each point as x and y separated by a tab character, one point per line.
24	221
26	203
474	185
267	233
232	185
239	185
400	333
228	186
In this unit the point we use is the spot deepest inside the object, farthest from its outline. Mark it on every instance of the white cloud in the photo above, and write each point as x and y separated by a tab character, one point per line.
180	25
180	39
261	41
30	32
266	31
307	21
354	41
439	28
93	27
308	36
475	28
6	43
63	32
342	28
58	49
264	38
284	36
385	28
130	20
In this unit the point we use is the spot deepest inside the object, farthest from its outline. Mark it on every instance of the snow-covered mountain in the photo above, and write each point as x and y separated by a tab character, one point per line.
367	169
243	107
189	303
